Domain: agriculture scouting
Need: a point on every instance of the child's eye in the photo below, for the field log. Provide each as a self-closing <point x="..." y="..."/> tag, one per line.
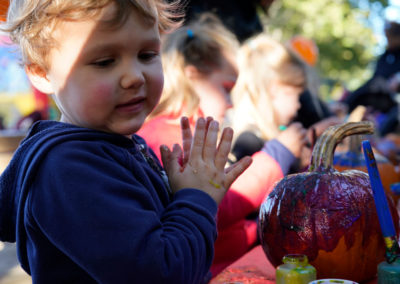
<point x="147" y="56"/>
<point x="102" y="63"/>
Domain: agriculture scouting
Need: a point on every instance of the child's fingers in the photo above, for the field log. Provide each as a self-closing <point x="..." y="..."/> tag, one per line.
<point x="170" y="159"/>
<point x="208" y="121"/>
<point x="302" y="134"/>
<point x="296" y="126"/>
<point x="196" y="150"/>
<point x="177" y="152"/>
<point x="233" y="172"/>
<point x="186" y="139"/>
<point x="165" y="156"/>
<point x="224" y="148"/>
<point x="211" y="142"/>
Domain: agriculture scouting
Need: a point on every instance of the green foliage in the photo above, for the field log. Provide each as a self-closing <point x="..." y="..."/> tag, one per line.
<point x="342" y="30"/>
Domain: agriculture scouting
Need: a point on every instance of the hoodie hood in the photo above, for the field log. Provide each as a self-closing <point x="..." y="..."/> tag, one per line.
<point x="19" y="173"/>
<point x="16" y="179"/>
<point x="11" y="190"/>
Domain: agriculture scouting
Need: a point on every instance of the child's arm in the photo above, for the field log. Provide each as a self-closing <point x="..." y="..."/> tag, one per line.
<point x="104" y="211"/>
<point x="201" y="163"/>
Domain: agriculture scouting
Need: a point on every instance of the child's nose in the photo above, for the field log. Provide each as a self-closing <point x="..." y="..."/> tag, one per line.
<point x="133" y="77"/>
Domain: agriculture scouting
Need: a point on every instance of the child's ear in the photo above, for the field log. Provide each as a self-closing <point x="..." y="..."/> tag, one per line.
<point x="38" y="77"/>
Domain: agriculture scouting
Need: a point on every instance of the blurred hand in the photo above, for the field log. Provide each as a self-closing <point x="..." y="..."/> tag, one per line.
<point x="294" y="138"/>
<point x="305" y="157"/>
<point x="320" y="126"/>
<point x="200" y="163"/>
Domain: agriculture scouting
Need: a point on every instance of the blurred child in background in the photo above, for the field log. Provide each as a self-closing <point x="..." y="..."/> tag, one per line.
<point x="266" y="100"/>
<point x="312" y="108"/>
<point x="199" y="62"/>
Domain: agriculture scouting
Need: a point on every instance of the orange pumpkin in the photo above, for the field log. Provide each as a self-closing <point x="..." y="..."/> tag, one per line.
<point x="328" y="215"/>
<point x="354" y="159"/>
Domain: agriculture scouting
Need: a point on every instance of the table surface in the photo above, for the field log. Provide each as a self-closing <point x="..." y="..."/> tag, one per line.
<point x="254" y="268"/>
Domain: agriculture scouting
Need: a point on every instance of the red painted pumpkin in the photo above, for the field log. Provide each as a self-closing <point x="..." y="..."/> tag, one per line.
<point x="354" y="159"/>
<point x="329" y="216"/>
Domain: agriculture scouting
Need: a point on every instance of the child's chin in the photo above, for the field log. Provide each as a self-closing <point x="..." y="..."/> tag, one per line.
<point x="128" y="130"/>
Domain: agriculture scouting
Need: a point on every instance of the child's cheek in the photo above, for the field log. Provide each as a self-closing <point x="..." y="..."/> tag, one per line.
<point x="103" y="93"/>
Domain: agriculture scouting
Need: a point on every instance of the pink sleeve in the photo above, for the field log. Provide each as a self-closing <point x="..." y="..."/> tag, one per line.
<point x="249" y="190"/>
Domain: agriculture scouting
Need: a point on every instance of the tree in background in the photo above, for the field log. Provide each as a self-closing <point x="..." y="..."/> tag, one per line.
<point x="342" y="30"/>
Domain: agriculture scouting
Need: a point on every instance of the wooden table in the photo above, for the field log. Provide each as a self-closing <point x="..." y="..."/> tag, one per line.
<point x="253" y="268"/>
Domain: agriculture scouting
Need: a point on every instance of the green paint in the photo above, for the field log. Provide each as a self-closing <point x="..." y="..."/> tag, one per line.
<point x="295" y="270"/>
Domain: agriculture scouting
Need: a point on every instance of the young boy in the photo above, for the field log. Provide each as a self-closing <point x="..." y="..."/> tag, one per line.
<point x="86" y="202"/>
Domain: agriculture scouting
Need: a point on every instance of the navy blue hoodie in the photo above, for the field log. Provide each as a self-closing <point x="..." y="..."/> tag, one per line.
<point x="86" y="206"/>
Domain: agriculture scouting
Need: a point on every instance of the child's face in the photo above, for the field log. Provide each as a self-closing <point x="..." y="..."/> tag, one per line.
<point x="106" y="78"/>
<point x="285" y="101"/>
<point x="214" y="89"/>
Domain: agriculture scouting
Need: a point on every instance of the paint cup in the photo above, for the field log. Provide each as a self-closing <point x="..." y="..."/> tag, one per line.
<point x="332" y="281"/>
<point x="295" y="270"/>
<point x="389" y="273"/>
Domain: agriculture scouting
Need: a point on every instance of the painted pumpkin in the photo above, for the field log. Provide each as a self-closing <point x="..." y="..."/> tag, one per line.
<point x="354" y="159"/>
<point x="328" y="215"/>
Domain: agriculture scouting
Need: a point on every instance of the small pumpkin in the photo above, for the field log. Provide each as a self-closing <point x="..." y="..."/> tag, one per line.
<point x="353" y="158"/>
<point x="328" y="215"/>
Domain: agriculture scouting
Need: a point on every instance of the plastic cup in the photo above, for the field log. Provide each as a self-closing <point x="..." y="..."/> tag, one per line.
<point x="332" y="281"/>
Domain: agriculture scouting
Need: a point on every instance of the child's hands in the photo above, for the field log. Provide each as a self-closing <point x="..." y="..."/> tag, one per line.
<point x="294" y="138"/>
<point x="201" y="164"/>
<point x="320" y="126"/>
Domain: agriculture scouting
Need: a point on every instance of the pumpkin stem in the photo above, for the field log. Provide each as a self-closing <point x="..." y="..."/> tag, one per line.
<point x="322" y="154"/>
<point x="355" y="144"/>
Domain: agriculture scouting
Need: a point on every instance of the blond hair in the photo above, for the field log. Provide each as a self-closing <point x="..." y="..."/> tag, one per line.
<point x="262" y="60"/>
<point x="30" y="23"/>
<point x="202" y="44"/>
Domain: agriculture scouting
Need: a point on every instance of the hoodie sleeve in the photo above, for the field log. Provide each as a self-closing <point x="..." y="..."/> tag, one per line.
<point x="110" y="214"/>
<point x="280" y="153"/>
